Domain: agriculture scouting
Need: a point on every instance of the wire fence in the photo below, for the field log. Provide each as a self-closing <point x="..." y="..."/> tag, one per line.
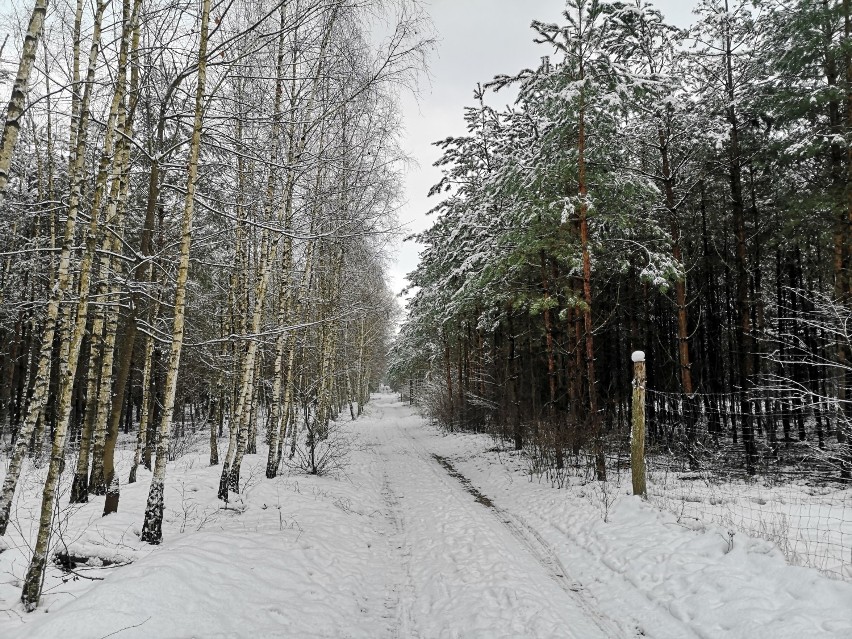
<point x="776" y="468"/>
<point x="790" y="485"/>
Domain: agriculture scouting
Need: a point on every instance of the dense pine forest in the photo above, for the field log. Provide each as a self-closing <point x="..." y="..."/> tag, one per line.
<point x="686" y="193"/>
<point x="196" y="200"/>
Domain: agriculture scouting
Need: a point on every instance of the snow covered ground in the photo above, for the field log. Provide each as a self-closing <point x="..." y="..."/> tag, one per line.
<point x="423" y="535"/>
<point x="810" y="523"/>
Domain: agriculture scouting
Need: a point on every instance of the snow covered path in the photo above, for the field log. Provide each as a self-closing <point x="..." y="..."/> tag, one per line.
<point x="487" y="555"/>
<point x="468" y="570"/>
<point x="422" y="535"/>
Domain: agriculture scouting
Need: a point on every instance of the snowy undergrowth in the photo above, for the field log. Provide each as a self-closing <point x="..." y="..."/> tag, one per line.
<point x="625" y="552"/>
<point x="299" y="556"/>
<point x="370" y="553"/>
<point x="811" y="525"/>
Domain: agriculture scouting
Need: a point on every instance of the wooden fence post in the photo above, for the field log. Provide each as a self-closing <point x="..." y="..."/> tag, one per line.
<point x="637" y="434"/>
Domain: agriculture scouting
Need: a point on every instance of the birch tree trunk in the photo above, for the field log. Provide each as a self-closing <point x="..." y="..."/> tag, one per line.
<point x="237" y="294"/>
<point x="359" y="386"/>
<point x="276" y="409"/>
<point x="60" y="286"/>
<point x="349" y="390"/>
<point x="110" y="399"/>
<point x="278" y="427"/>
<point x="68" y="366"/>
<point x="152" y="529"/>
<point x="299" y="314"/>
<point x="327" y="349"/>
<point x="243" y="411"/>
<point x="111" y="245"/>
<point x="51" y="195"/>
<point x="15" y="110"/>
<point x="269" y="249"/>
<point x="109" y="318"/>
<point x="365" y="398"/>
<point x="213" y="419"/>
<point x="80" y="484"/>
<point x="232" y="463"/>
<point x="145" y="417"/>
<point x="117" y="395"/>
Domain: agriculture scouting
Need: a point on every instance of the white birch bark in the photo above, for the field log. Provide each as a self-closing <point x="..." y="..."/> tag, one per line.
<point x="348" y="374"/>
<point x="284" y="297"/>
<point x="243" y="410"/>
<point x="31" y="592"/>
<point x="237" y="295"/>
<point x="17" y="102"/>
<point x="115" y="213"/>
<point x="61" y="285"/>
<point x="276" y="434"/>
<point x="298" y="315"/>
<point x="118" y="392"/>
<point x="231" y="466"/>
<point x="289" y="409"/>
<point x="109" y="319"/>
<point x="80" y="484"/>
<point x="103" y="476"/>
<point x="328" y="346"/>
<point x="152" y="529"/>
<point x="145" y="417"/>
<point x="360" y="379"/>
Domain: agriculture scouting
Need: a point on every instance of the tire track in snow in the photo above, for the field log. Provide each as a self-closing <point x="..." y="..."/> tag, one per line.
<point x="539" y="549"/>
<point x="405" y="592"/>
<point x="528" y="539"/>
<point x="668" y="624"/>
<point x="404" y="458"/>
<point x="544" y="553"/>
<point x="399" y="602"/>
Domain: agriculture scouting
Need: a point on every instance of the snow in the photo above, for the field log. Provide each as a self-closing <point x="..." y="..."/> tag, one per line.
<point x="645" y="569"/>
<point x="402" y="543"/>
<point x="810" y="524"/>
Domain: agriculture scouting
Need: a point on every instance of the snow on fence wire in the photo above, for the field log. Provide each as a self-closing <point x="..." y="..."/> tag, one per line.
<point x="794" y="490"/>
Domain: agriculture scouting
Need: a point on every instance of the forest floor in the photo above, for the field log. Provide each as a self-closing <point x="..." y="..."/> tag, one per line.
<point x="420" y="534"/>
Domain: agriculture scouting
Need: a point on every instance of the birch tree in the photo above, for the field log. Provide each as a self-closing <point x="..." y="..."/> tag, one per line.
<point x="152" y="531"/>
<point x="64" y="278"/>
<point x="15" y="109"/>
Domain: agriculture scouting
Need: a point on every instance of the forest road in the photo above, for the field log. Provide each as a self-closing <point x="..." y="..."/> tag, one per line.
<point x="468" y="568"/>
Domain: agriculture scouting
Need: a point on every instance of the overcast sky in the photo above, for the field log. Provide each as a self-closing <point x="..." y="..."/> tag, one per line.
<point x="477" y="39"/>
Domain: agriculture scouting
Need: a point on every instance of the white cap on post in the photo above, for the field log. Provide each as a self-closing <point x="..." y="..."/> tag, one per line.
<point x="638" y="356"/>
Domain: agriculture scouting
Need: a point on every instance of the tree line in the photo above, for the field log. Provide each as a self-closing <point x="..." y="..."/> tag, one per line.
<point x="684" y="192"/>
<point x="196" y="202"/>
